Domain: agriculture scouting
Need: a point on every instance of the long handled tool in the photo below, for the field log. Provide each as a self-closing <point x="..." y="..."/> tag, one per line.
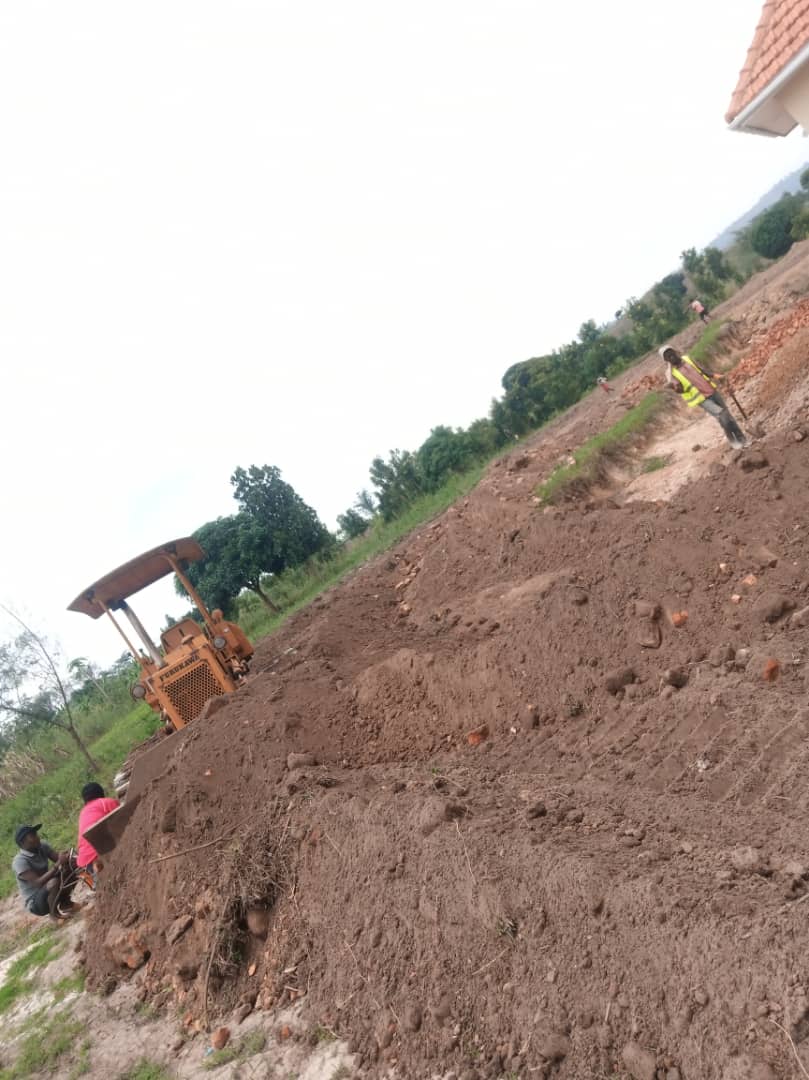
<point x="736" y="402"/>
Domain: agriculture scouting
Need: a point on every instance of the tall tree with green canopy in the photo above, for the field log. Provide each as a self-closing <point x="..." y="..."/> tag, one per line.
<point x="297" y="532"/>
<point x="273" y="530"/>
<point x="397" y="482"/>
<point x="239" y="551"/>
<point x="771" y="233"/>
<point x="443" y="452"/>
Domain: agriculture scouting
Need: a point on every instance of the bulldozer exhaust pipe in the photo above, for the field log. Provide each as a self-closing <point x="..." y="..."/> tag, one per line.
<point x="139" y="629"/>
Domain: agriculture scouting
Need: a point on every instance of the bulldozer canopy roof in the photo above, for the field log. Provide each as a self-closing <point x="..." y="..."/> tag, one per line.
<point x="134" y="576"/>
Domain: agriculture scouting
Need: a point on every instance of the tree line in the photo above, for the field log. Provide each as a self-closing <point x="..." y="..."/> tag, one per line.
<point x="537" y="389"/>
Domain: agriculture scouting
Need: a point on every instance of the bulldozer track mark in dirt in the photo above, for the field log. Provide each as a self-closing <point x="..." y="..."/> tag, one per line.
<point x="766" y="765"/>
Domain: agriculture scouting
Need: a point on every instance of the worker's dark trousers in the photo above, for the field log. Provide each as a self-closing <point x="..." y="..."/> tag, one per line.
<point x="716" y="406"/>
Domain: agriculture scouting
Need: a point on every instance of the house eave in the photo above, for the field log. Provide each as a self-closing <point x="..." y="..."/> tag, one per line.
<point x="765" y="115"/>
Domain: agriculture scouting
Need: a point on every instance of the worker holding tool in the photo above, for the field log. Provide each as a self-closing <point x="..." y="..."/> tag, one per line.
<point x="698" y="387"/>
<point x="44" y="890"/>
<point x="605" y="386"/>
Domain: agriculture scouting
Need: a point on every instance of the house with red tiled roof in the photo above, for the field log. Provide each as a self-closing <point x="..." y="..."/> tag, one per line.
<point x="772" y="95"/>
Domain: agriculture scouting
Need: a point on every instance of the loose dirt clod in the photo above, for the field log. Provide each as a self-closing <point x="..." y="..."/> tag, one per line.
<point x="617" y="680"/>
<point x="220" y="1038"/>
<point x="125" y="948"/>
<point x="639" y="1063"/>
<point x="258" y="921"/>
<point x="178" y="928"/>
<point x="772" y="606"/>
<point x="676" y="677"/>
<point x="479" y="735"/>
<point x="749" y="860"/>
<point x="772" y="669"/>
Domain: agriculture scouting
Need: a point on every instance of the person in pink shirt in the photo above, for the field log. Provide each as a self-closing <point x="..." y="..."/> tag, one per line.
<point x="697" y="306"/>
<point x="96" y="806"/>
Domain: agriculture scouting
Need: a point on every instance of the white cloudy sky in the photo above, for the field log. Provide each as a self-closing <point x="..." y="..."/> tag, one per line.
<point x="303" y="233"/>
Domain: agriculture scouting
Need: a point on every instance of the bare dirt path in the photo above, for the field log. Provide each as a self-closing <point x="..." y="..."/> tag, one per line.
<point x="101" y="1038"/>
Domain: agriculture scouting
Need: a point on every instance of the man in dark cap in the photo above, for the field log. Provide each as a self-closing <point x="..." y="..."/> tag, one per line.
<point x="45" y="889"/>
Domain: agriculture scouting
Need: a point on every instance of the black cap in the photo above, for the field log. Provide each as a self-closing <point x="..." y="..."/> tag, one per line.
<point x="23" y="831"/>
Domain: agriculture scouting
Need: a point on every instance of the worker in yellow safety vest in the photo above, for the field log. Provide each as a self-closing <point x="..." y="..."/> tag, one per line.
<point x="698" y="387"/>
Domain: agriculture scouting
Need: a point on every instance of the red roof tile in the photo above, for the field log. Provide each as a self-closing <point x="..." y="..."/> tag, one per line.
<point x="782" y="32"/>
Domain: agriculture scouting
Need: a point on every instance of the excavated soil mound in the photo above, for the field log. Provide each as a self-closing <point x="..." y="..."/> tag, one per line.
<point x="525" y="797"/>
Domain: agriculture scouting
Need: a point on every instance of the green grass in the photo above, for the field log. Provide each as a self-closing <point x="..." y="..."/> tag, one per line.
<point x="71" y="984"/>
<point x="51" y="1040"/>
<point x="81" y="1066"/>
<point x="145" y="1070"/>
<point x="55" y="798"/>
<point x="51" y="746"/>
<point x="18" y="981"/>
<point x="245" y="1048"/>
<point x="21" y="937"/>
<point x="652" y="464"/>
<point x="702" y="350"/>
<point x="296" y="588"/>
<point x="589" y="459"/>
<point x="323" y="1034"/>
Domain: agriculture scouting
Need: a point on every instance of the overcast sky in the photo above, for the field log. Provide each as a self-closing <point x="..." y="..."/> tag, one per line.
<point x="303" y="233"/>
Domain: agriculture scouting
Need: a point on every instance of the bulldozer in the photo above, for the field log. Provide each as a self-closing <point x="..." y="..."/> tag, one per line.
<point x="196" y="662"/>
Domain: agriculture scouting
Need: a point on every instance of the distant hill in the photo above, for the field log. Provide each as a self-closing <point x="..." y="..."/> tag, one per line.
<point x="783" y="187"/>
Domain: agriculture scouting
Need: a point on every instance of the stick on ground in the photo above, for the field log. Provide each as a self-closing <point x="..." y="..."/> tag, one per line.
<point x="794" y="1048"/>
<point x="466" y="853"/>
<point x="199" y="847"/>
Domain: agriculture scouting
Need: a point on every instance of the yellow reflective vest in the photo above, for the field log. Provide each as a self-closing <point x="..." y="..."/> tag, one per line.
<point x="691" y="394"/>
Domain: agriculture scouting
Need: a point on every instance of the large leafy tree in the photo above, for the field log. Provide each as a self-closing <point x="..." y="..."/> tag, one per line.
<point x="669" y="297"/>
<point x="273" y="530"/>
<point x="397" y="482"/>
<point x="800" y="224"/>
<point x="239" y="551"/>
<point x="710" y="271"/>
<point x="444" y="452"/>
<point x="297" y="532"/>
<point x="771" y="234"/>
<point x="483" y="438"/>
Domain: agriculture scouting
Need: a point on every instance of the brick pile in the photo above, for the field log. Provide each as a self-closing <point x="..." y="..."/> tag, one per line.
<point x="763" y="345"/>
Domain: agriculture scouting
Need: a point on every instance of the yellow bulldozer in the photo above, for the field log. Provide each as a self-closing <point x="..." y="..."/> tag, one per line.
<point x="196" y="661"/>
